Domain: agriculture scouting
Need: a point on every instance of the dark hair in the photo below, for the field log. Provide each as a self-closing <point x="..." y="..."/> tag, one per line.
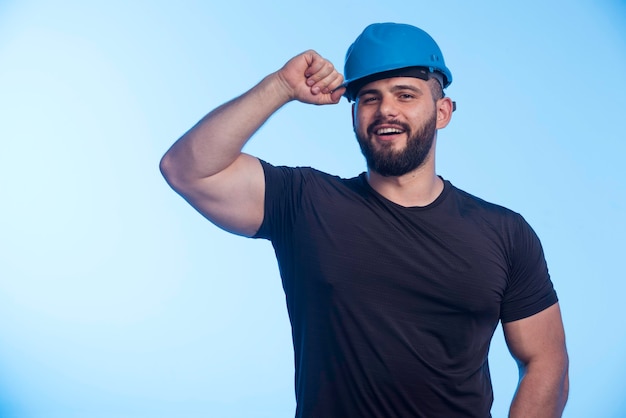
<point x="436" y="89"/>
<point x="434" y="79"/>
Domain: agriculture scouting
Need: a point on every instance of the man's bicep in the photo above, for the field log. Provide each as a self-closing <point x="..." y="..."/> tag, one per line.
<point x="537" y="337"/>
<point x="232" y="199"/>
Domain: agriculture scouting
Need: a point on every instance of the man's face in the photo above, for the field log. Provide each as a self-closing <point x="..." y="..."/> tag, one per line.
<point x="395" y="122"/>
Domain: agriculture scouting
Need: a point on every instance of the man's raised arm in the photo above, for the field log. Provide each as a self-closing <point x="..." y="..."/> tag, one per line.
<point x="206" y="165"/>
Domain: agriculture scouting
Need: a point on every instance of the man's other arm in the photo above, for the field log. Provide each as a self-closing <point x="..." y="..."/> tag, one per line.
<point x="538" y="345"/>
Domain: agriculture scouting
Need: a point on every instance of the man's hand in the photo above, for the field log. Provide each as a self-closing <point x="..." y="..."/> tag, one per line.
<point x="310" y="78"/>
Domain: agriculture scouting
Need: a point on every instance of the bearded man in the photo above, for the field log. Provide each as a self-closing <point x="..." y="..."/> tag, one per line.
<point x="395" y="279"/>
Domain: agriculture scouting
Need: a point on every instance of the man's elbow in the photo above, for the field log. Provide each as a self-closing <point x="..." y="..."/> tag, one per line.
<point x="560" y="378"/>
<point x="560" y="381"/>
<point x="565" y="381"/>
<point x="171" y="172"/>
<point x="545" y="380"/>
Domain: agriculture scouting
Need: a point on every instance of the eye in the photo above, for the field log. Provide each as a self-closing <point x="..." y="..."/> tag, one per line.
<point x="368" y="99"/>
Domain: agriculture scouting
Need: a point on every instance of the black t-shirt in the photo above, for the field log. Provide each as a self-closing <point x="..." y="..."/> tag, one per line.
<point x="393" y="308"/>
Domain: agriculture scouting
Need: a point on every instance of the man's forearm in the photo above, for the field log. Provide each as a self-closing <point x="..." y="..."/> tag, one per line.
<point x="541" y="393"/>
<point x="217" y="140"/>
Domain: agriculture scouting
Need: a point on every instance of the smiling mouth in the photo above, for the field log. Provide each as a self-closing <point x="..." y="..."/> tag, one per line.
<point x="388" y="131"/>
<point x="388" y="128"/>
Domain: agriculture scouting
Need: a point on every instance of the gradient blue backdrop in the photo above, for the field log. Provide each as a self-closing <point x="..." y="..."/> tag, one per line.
<point x="118" y="300"/>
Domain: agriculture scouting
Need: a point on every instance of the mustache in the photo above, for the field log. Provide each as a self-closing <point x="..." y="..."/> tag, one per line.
<point x="378" y="122"/>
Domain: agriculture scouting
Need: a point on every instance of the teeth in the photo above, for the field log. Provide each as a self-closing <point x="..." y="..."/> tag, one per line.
<point x="384" y="131"/>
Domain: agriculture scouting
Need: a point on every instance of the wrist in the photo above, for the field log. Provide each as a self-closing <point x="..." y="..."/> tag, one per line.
<point x="279" y="88"/>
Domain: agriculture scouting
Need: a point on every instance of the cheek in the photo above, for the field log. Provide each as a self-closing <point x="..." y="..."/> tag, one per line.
<point x="360" y="120"/>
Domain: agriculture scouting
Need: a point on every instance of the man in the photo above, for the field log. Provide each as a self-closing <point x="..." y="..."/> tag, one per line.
<point x="395" y="280"/>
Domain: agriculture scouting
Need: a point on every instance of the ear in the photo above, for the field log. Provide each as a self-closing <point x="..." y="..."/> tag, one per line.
<point x="445" y="107"/>
<point x="353" y="114"/>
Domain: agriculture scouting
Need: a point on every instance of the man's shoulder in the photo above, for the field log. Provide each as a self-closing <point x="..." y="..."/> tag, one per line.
<point x="307" y="174"/>
<point x="470" y="202"/>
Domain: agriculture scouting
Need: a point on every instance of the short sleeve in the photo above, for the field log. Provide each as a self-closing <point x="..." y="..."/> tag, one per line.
<point x="529" y="289"/>
<point x="281" y="191"/>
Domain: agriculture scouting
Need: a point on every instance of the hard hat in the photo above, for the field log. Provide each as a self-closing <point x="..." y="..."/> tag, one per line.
<point x="384" y="47"/>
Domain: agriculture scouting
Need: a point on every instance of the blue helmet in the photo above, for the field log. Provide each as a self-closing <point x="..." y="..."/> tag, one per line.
<point x="391" y="49"/>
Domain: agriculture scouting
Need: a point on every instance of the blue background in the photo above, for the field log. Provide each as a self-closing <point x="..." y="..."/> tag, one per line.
<point x="118" y="300"/>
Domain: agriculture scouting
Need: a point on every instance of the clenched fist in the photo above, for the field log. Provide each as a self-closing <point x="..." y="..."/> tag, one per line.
<point x="310" y="78"/>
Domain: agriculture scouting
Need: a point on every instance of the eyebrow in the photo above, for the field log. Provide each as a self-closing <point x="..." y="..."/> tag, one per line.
<point x="395" y="88"/>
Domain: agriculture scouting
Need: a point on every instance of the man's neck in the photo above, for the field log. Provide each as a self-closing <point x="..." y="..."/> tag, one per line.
<point x="420" y="187"/>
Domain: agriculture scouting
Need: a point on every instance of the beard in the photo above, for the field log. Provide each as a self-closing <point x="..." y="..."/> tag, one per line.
<point x="388" y="162"/>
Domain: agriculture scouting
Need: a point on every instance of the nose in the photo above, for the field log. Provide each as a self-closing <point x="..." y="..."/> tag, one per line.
<point x="387" y="106"/>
